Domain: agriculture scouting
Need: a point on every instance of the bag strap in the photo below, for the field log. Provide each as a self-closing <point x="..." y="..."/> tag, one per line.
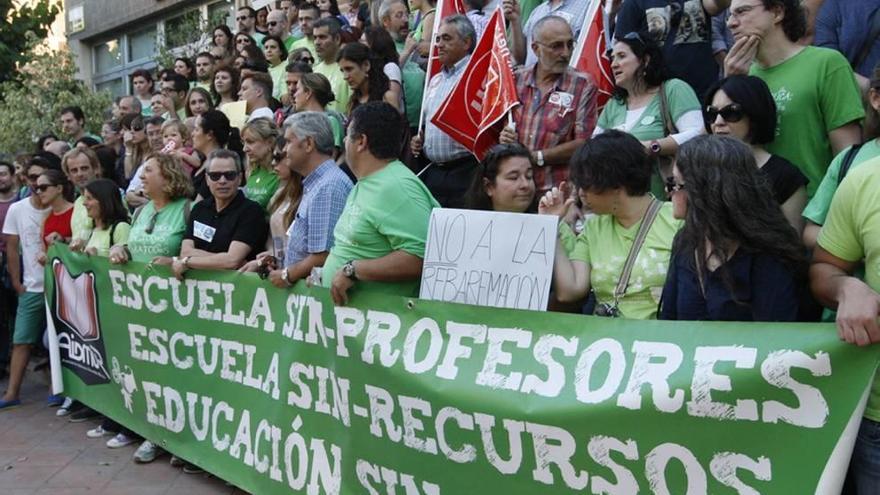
<point x="668" y="123"/>
<point x="869" y="41"/>
<point x="642" y="234"/>
<point x="847" y="161"/>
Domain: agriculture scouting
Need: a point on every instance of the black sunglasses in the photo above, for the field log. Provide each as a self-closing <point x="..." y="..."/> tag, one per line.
<point x="272" y="23"/>
<point x="731" y="113"/>
<point x="672" y="187"/>
<point x="307" y="60"/>
<point x="229" y="175"/>
<point x="243" y="17"/>
<point x="42" y="187"/>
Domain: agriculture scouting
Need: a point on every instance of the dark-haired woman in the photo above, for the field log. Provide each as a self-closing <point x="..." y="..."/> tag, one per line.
<point x="109" y="217"/>
<point x="224" y="88"/>
<point x="383" y="50"/>
<point x="276" y="55"/>
<point x="242" y="40"/>
<point x="366" y="78"/>
<point x="56" y="192"/>
<point x="612" y="174"/>
<point x="222" y="46"/>
<point x="186" y="68"/>
<point x="742" y="107"/>
<point x="505" y="182"/>
<point x="636" y="105"/>
<point x="737" y="258"/>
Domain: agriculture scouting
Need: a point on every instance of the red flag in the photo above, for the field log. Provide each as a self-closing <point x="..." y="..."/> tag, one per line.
<point x="483" y="95"/>
<point x="590" y="54"/>
<point x="445" y="8"/>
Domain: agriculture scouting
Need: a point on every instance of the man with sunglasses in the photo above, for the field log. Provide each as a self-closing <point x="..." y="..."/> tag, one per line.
<point x="684" y="31"/>
<point x="308" y="14"/>
<point x="246" y="20"/>
<point x="276" y="23"/>
<point x="558" y="111"/>
<point x="226" y="229"/>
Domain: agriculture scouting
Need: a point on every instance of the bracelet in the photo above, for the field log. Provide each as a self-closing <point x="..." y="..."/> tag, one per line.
<point x="287" y="276"/>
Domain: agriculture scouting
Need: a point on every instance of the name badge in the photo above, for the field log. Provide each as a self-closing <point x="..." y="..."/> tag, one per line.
<point x="562" y="100"/>
<point x="203" y="232"/>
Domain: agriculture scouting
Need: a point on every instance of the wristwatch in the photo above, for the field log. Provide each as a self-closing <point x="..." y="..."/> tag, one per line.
<point x="287" y="276"/>
<point x="348" y="270"/>
<point x="539" y="157"/>
<point x="655" y="147"/>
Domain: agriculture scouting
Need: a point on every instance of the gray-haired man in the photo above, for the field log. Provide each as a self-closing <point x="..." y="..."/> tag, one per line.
<point x="309" y="153"/>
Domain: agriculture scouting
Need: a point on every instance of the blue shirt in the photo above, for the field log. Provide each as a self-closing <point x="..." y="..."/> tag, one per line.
<point x="324" y="193"/>
<point x="844" y="25"/>
<point x="757" y="288"/>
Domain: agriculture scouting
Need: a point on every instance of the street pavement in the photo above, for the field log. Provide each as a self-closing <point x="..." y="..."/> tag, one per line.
<point x="44" y="454"/>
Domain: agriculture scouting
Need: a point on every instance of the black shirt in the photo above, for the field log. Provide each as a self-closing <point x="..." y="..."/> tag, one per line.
<point x="242" y="220"/>
<point x="784" y="178"/>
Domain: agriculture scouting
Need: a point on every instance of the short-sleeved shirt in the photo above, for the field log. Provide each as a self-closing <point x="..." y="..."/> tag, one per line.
<point x="852" y="233"/>
<point x="324" y="193"/>
<point x="649" y="125"/>
<point x="341" y="89"/>
<point x="261" y="186"/>
<point x="687" y="46"/>
<point x="386" y="211"/>
<point x="764" y="289"/>
<point x="26" y="222"/>
<point x="565" y="113"/>
<point x="304" y="43"/>
<point x="58" y="223"/>
<point x="604" y="245"/>
<point x="166" y="228"/>
<point x="815" y="92"/>
<point x="242" y="220"/>
<point x="817" y="208"/>
<point x="785" y="179"/>
<point x="103" y="239"/>
<point x="80" y="222"/>
<point x="278" y="73"/>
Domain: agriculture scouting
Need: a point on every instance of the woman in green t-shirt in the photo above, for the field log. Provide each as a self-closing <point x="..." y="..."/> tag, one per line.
<point x="103" y="202"/>
<point x="259" y="137"/>
<point x="276" y="55"/>
<point x="612" y="175"/>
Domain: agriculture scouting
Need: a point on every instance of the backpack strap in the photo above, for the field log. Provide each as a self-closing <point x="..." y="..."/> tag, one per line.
<point x="847" y="161"/>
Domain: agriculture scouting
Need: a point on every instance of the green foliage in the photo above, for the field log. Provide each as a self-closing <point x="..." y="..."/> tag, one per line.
<point x="187" y="35"/>
<point x="45" y="85"/>
<point x="16" y="22"/>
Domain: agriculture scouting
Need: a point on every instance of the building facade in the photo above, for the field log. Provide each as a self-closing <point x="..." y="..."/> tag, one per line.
<point x="111" y="38"/>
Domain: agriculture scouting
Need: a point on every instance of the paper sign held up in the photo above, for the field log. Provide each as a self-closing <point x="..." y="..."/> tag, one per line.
<point x="502" y="260"/>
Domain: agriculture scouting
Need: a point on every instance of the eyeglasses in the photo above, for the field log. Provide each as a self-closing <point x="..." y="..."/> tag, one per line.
<point x="272" y="23"/>
<point x="243" y="17"/>
<point x="42" y="187"/>
<point x="731" y="113"/>
<point x="307" y="60"/>
<point x="559" y="45"/>
<point x="229" y="175"/>
<point x="33" y="177"/>
<point x="673" y="187"/>
<point x="152" y="224"/>
<point x="243" y="41"/>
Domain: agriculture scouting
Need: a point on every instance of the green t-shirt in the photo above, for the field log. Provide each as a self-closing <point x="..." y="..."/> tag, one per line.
<point x="680" y="97"/>
<point x="336" y="126"/>
<point x="261" y="186"/>
<point x="817" y="208"/>
<point x="278" y="74"/>
<point x="166" y="234"/>
<point x="100" y="238"/>
<point x="852" y="233"/>
<point x="80" y="223"/>
<point x="604" y="245"/>
<point x="413" y="91"/>
<point x="304" y="43"/>
<point x="386" y="211"/>
<point x="341" y="90"/>
<point x="815" y="92"/>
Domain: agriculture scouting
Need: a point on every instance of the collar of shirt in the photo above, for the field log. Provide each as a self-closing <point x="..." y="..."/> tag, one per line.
<point x="212" y="203"/>
<point x="557" y="85"/>
<point x="315" y="176"/>
<point x="458" y="67"/>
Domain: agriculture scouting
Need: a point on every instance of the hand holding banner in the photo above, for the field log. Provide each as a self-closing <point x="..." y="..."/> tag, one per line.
<point x="485" y="92"/>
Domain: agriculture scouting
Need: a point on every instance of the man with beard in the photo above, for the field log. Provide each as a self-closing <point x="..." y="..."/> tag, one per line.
<point x="308" y="14"/>
<point x="558" y="111"/>
<point x="205" y="70"/>
<point x="395" y="19"/>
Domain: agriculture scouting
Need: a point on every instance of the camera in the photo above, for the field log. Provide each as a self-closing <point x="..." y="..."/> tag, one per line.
<point x="607" y="310"/>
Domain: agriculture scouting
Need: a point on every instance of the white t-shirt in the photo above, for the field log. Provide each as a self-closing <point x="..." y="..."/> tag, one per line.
<point x="26" y="222"/>
<point x="262" y="113"/>
<point x="393" y="72"/>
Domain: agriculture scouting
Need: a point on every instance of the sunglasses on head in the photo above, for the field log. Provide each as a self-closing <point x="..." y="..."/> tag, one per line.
<point x="229" y="175"/>
<point x="731" y="113"/>
<point x="671" y="186"/>
<point x="42" y="187"/>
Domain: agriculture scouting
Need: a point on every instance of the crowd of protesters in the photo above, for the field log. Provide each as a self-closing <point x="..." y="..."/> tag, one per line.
<point x="734" y="174"/>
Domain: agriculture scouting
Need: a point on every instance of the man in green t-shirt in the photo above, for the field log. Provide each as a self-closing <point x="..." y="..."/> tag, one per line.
<point x="328" y="39"/>
<point x="852" y="233"/>
<point x="81" y="165"/>
<point x="818" y="101"/>
<point x="380" y="236"/>
<point x="308" y="14"/>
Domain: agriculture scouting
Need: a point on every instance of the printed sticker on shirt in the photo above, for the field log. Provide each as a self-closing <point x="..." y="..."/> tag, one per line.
<point x="562" y="100"/>
<point x="203" y="232"/>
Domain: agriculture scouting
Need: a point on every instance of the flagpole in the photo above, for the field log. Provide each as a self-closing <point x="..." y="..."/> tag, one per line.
<point x="437" y="18"/>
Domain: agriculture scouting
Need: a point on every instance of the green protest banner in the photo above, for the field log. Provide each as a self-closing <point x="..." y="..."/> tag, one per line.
<point x="278" y="391"/>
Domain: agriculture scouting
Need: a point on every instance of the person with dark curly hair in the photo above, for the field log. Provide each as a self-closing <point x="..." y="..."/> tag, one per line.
<point x="737" y="258"/>
<point x="815" y="91"/>
<point x="505" y="181"/>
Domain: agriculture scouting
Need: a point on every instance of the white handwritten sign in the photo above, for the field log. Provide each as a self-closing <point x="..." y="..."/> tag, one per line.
<point x="504" y="260"/>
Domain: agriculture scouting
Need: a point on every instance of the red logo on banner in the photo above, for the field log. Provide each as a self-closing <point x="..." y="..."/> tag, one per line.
<point x="483" y="95"/>
<point x="590" y="55"/>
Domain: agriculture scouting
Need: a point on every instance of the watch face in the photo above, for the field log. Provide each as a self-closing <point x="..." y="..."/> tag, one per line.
<point x="348" y="269"/>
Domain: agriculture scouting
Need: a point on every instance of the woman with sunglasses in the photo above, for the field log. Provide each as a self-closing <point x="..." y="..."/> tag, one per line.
<point x="56" y="192"/>
<point x="637" y="105"/>
<point x="137" y="147"/>
<point x="242" y="40"/>
<point x="612" y="174"/>
<point x="301" y="54"/>
<point x="737" y="258"/>
<point x="276" y="55"/>
<point x="742" y="107"/>
<point x="224" y="87"/>
<point x="259" y="137"/>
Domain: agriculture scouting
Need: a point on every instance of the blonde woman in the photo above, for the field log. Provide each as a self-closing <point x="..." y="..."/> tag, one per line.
<point x="259" y="137"/>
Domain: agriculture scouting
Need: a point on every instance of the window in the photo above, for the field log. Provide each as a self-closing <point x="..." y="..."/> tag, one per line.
<point x="221" y="13"/>
<point x="115" y="86"/>
<point x="142" y="44"/>
<point x="108" y="56"/>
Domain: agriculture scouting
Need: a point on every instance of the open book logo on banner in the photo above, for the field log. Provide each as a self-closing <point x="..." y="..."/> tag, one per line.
<point x="77" y="325"/>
